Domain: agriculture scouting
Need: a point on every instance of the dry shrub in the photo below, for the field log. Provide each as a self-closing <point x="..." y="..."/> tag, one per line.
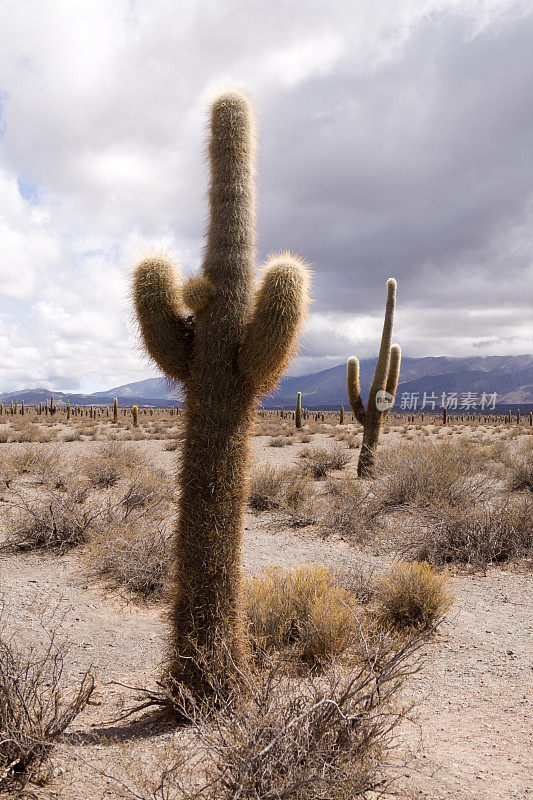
<point x="279" y="441"/>
<point x="349" y="512"/>
<point x="421" y="474"/>
<point x="61" y="516"/>
<point x="521" y="476"/>
<point x="34" y="460"/>
<point x="148" y="490"/>
<point x="322" y="461"/>
<point x="299" y="501"/>
<point x="72" y="436"/>
<point x="284" y="488"/>
<point x="326" y="737"/>
<point x="411" y="595"/>
<point x="135" y="555"/>
<point x="478" y="536"/>
<point x="112" y="462"/>
<point x="266" y="486"/>
<point x="55" y="520"/>
<point x="301" y="609"/>
<point x="35" y="707"/>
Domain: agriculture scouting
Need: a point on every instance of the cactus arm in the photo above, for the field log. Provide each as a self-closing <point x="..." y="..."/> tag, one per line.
<point x="382" y="366"/>
<point x="394" y="370"/>
<point x="354" y="389"/>
<point x="229" y="262"/>
<point x="280" y="307"/>
<point x="168" y="336"/>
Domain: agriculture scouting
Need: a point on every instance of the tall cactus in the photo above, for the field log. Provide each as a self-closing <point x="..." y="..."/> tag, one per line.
<point x="227" y="353"/>
<point x="382" y="391"/>
<point x="298" y="414"/>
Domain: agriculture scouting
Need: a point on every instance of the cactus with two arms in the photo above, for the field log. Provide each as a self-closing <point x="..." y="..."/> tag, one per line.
<point x="227" y="341"/>
<point x="382" y="391"/>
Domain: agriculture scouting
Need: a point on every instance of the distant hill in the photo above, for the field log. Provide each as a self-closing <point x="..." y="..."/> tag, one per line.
<point x="511" y="377"/>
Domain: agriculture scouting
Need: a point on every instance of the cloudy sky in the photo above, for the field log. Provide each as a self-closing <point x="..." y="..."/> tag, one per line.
<point x="395" y="139"/>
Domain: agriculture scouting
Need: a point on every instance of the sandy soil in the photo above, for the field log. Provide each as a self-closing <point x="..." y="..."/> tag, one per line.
<point x="473" y="736"/>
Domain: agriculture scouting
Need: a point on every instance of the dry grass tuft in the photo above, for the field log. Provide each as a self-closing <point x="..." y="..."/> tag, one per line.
<point x="302" y="610"/>
<point x="411" y="595"/>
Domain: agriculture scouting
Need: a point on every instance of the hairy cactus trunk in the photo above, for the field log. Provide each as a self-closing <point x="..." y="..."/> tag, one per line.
<point x="231" y="350"/>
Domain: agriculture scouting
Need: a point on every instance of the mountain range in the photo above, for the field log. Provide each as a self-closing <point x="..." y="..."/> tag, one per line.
<point x="509" y="377"/>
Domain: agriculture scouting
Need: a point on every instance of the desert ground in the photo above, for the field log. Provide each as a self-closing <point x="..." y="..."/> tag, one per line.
<point x="88" y="507"/>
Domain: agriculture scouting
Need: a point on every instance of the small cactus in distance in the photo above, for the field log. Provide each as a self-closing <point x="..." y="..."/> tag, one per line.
<point x="229" y="352"/>
<point x="115" y="410"/>
<point x="382" y="391"/>
<point x="341" y="416"/>
<point x="298" y="414"/>
<point x="135" y="415"/>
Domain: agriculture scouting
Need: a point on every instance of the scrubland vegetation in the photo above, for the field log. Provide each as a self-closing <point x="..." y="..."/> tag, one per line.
<point x="331" y="648"/>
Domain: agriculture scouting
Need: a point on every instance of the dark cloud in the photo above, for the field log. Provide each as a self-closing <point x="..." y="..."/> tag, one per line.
<point x="395" y="139"/>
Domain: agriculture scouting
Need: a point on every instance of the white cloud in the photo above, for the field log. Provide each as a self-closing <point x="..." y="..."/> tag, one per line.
<point x="392" y="142"/>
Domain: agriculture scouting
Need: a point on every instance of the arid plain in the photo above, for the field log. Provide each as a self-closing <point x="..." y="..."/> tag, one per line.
<point x="88" y="509"/>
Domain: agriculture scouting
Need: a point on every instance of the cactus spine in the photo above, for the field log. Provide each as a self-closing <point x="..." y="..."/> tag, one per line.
<point x="385" y="380"/>
<point x="228" y="353"/>
<point x="298" y="414"/>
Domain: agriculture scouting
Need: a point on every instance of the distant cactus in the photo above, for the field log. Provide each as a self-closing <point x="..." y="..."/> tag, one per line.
<point x="135" y="415"/>
<point x="115" y="410"/>
<point x="22" y="408"/>
<point x="68" y="409"/>
<point x="445" y="415"/>
<point x="230" y="352"/>
<point x="382" y="391"/>
<point x="341" y="416"/>
<point x="52" y="405"/>
<point x="298" y="415"/>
